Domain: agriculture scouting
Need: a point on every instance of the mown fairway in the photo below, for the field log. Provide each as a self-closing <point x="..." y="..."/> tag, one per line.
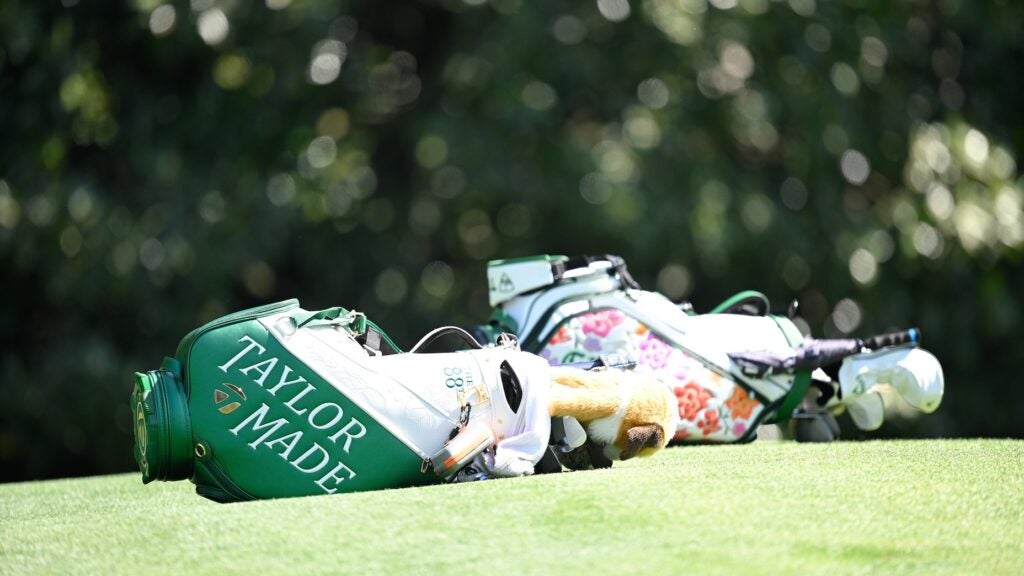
<point x="913" y="507"/>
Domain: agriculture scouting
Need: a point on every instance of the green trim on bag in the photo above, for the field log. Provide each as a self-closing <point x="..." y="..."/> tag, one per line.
<point x="801" y="379"/>
<point x="801" y="382"/>
<point x="241" y="316"/>
<point x="737" y="298"/>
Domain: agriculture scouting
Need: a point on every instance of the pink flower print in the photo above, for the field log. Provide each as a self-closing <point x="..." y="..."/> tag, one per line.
<point x="653" y="353"/>
<point x="602" y="322"/>
<point x="739" y="429"/>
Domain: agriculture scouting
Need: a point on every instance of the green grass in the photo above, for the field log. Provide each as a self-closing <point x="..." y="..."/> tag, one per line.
<point x="909" y="507"/>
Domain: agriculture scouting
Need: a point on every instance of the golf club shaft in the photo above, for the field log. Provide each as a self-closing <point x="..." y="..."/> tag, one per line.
<point x="910" y="336"/>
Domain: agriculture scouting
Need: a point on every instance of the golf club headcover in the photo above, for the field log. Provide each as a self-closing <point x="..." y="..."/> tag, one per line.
<point x="625" y="413"/>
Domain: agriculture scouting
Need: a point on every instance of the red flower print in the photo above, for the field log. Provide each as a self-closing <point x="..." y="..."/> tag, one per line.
<point x="561" y="336"/>
<point x="710" y="423"/>
<point x="692" y="399"/>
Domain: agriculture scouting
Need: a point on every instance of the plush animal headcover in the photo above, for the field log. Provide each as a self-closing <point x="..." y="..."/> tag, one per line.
<point x="630" y="414"/>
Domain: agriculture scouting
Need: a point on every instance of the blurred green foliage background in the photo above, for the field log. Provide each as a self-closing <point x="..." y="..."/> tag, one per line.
<point x="162" y="164"/>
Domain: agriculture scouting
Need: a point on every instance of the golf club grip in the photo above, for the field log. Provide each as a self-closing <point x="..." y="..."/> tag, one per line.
<point x="910" y="336"/>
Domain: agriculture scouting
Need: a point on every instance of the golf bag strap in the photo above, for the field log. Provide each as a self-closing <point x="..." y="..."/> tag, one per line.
<point x="801" y="383"/>
<point x="443" y="331"/>
<point x="749" y="302"/>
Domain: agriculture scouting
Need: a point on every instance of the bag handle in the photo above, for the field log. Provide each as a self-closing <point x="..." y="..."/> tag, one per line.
<point x="336" y="315"/>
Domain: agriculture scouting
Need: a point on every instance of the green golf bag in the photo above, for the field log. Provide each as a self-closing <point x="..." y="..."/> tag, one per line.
<point x="278" y="401"/>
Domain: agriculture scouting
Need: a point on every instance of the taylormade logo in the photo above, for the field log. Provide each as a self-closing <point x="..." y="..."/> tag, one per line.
<point x="279" y="434"/>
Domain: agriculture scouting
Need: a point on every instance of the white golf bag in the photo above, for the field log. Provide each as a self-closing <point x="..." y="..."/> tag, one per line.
<point x="731" y="370"/>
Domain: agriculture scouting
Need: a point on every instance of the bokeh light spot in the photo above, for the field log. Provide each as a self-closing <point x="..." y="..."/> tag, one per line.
<point x="847" y="315"/>
<point x="818" y="37"/>
<point x="675" y="281"/>
<point x="855" y="167"/>
<point x="152" y="254"/>
<point x="873" y="51"/>
<point x="41" y="210"/>
<point x="431" y="151"/>
<point x="326" y="60"/>
<point x="802" y="7"/>
<point x="976" y="146"/>
<point x="162" y="19"/>
<point x="641" y="129"/>
<point x="259" y="279"/>
<point x="614" y="10"/>
<point x="71" y="241"/>
<point x="757" y="213"/>
<point x="793" y="193"/>
<point x="334" y="122"/>
<point x="736" y="60"/>
<point x="231" y="71"/>
<point x="538" y="96"/>
<point x="10" y="211"/>
<point x="80" y="204"/>
<point x="280" y="189"/>
<point x="391" y="286"/>
<point x="321" y="152"/>
<point x="845" y="79"/>
<point x="940" y="202"/>
<point x="927" y="241"/>
<point x="863" y="267"/>
<point x="212" y="207"/>
<point x="595" y="188"/>
<point x="213" y="26"/>
<point x="448" y="182"/>
<point x="437" y="279"/>
<point x="653" y="93"/>
<point x="569" y="30"/>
